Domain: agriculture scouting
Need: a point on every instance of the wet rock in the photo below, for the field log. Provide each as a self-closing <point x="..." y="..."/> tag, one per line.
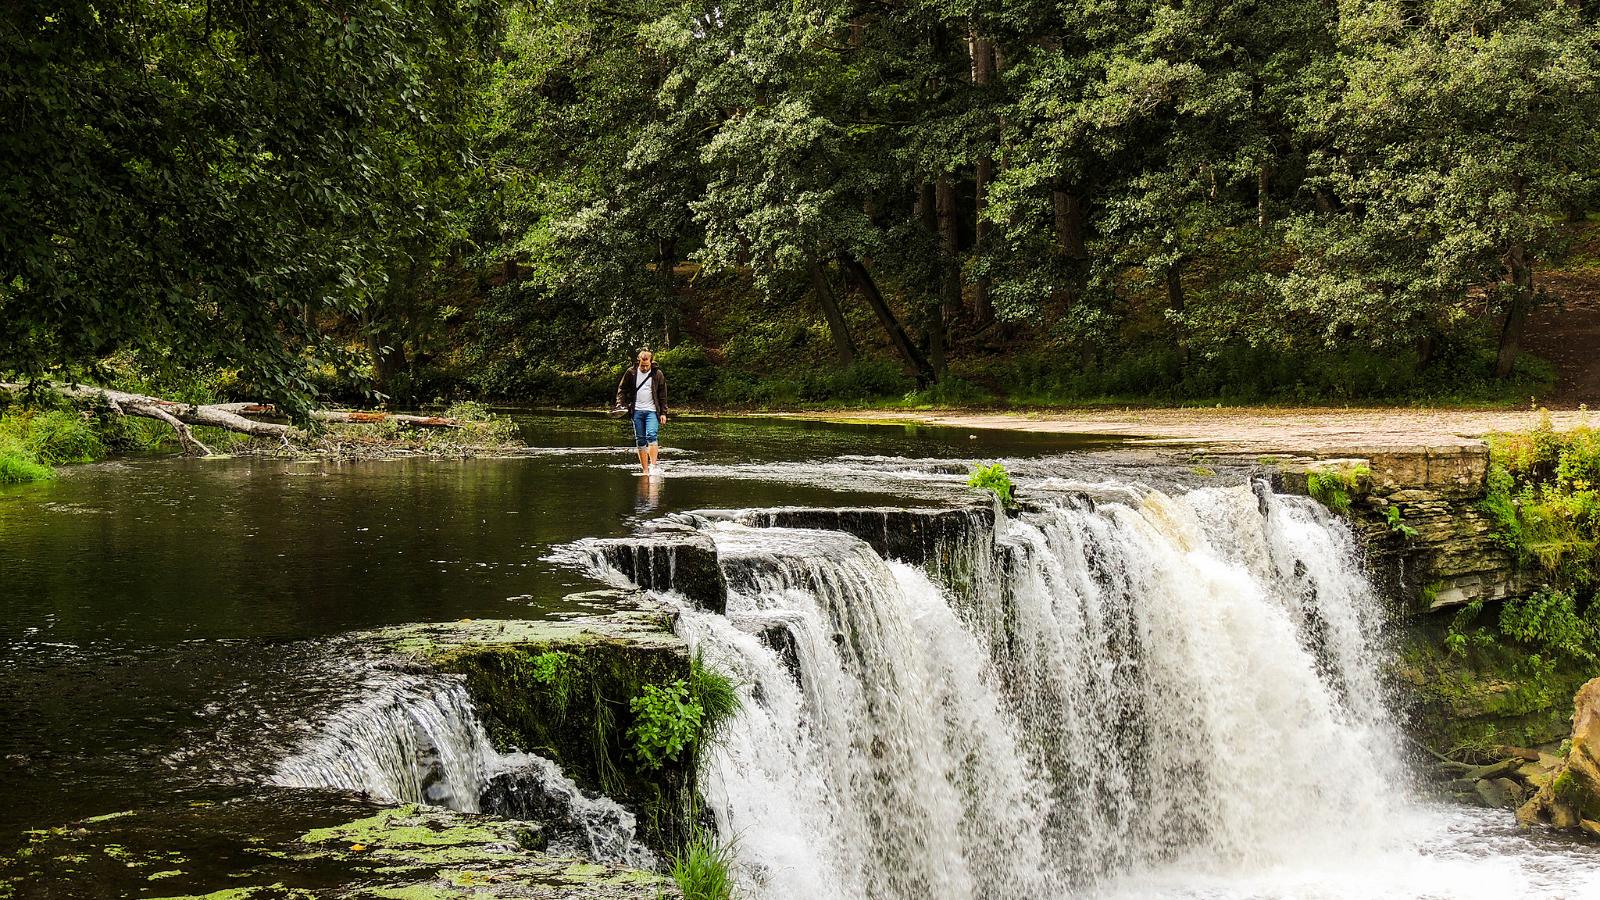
<point x="778" y="637"/>
<point x="923" y="537"/>
<point x="671" y="557"/>
<point x="1498" y="793"/>
<point x="1573" y="793"/>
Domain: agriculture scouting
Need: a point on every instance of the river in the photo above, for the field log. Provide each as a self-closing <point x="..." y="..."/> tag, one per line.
<point x="1172" y="690"/>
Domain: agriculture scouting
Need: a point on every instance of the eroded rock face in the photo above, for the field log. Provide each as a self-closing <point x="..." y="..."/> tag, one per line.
<point x="1571" y="799"/>
<point x="1450" y="557"/>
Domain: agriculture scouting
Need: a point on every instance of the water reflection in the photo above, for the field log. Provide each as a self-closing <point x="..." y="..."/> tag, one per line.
<point x="649" y="494"/>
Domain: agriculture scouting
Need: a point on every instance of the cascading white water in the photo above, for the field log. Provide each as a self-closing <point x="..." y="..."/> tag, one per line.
<point x="406" y="738"/>
<point x="417" y="739"/>
<point x="1181" y="688"/>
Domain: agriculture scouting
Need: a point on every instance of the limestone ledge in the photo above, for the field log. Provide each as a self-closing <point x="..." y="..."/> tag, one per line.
<point x="1452" y="558"/>
<point x="564" y="689"/>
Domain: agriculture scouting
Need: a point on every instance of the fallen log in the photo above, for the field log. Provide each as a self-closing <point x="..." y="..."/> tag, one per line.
<point x="227" y="416"/>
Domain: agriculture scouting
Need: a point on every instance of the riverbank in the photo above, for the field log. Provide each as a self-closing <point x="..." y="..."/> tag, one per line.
<point x="1312" y="430"/>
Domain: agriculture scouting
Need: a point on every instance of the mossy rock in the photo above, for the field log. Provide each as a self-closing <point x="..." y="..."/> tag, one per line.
<point x="565" y="690"/>
<point x="1484" y="696"/>
<point x="305" y="844"/>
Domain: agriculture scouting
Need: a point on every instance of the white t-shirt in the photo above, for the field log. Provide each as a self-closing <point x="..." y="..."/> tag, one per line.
<point x="644" y="398"/>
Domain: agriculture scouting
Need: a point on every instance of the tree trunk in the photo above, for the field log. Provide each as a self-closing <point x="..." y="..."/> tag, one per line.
<point x="1263" y="189"/>
<point x="983" y="69"/>
<point x="1176" y="300"/>
<point x="1067" y="210"/>
<point x="843" y="344"/>
<point x="949" y="250"/>
<point x="1519" y="271"/>
<point x="227" y="416"/>
<point x="862" y="279"/>
<point x="666" y="258"/>
<point x="927" y="212"/>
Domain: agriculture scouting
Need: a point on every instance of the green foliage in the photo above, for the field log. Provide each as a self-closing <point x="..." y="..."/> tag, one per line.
<point x="1335" y="488"/>
<point x="55" y="436"/>
<point x="1245" y="202"/>
<point x="554" y="669"/>
<point x="666" y="722"/>
<point x="703" y="868"/>
<point x="1549" y="621"/>
<point x="995" y="479"/>
<point x="669" y="720"/>
<point x="1545" y="503"/>
<point x="1396" y="522"/>
<point x="204" y="182"/>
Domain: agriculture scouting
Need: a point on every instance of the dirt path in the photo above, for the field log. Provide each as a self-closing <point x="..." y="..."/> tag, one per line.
<point x="1567" y="333"/>
<point x="1311" y="431"/>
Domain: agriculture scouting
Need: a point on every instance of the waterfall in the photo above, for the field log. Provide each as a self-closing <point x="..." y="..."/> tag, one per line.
<point x="411" y="738"/>
<point x="406" y="738"/>
<point x="1184" y="681"/>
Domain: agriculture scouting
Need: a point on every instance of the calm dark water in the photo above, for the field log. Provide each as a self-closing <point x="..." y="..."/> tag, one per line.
<point x="158" y="614"/>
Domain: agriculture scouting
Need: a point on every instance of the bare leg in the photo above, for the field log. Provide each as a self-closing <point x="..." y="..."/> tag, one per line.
<point x="655" y="453"/>
<point x="644" y="458"/>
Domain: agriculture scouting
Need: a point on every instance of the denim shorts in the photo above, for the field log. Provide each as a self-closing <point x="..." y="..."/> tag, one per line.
<point x="646" y="425"/>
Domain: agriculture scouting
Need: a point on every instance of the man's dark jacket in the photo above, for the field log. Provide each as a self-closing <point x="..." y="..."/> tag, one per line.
<point x="626" y="393"/>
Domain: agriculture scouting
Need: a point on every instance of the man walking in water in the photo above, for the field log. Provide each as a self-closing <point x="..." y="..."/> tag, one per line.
<point x="643" y="390"/>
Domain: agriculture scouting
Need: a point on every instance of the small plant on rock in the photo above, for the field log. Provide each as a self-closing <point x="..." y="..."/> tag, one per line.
<point x="996" y="480"/>
<point x="553" y="669"/>
<point x="1335" y="488"/>
<point x="1397" y="524"/>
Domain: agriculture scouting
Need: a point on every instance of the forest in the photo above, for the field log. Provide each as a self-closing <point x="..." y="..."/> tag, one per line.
<point x="826" y="201"/>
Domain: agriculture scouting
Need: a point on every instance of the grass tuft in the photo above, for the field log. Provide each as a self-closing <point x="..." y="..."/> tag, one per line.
<point x="703" y="869"/>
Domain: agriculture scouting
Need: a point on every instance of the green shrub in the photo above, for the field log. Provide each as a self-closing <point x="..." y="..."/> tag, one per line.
<point x="995" y="479"/>
<point x="950" y="391"/>
<point x="554" y="670"/>
<point x="682" y="716"/>
<point x="1549" y="621"/>
<point x="1336" y="488"/>
<point x="666" y="722"/>
<point x="479" y="425"/>
<point x="690" y="371"/>
<point x="867" y="379"/>
<point x="54" y="436"/>
<point x="703" y="869"/>
<point x="1545" y="502"/>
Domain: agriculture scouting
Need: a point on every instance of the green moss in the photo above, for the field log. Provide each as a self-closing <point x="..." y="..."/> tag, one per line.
<point x="1484" y="693"/>
<point x="276" y="891"/>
